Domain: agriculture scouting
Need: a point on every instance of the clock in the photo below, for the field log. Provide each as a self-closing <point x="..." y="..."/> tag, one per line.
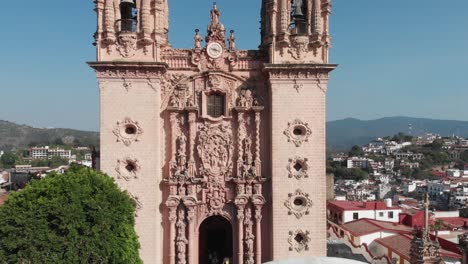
<point x="214" y="50"/>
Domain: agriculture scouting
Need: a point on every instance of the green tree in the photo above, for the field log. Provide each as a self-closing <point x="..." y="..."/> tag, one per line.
<point x="78" y="217"/>
<point x="8" y="160"/>
<point x="356" y="151"/>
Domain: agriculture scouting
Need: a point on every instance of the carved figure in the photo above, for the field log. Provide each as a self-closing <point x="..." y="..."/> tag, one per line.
<point x="232" y="41"/>
<point x="198" y="39"/>
<point x="181" y="240"/>
<point x="215" y="14"/>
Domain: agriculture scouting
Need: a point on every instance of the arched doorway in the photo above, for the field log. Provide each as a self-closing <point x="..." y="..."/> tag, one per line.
<point x="215" y="243"/>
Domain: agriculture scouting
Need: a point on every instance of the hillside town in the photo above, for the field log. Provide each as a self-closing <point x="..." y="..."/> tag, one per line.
<point x="387" y="191"/>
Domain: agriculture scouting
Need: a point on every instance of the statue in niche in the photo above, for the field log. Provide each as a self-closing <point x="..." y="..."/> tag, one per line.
<point x="246" y="98"/>
<point x="198" y="39"/>
<point x="180" y="166"/>
<point x="180" y="97"/>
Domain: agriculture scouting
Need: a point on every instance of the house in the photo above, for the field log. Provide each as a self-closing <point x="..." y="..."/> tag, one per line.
<point x="342" y="212"/>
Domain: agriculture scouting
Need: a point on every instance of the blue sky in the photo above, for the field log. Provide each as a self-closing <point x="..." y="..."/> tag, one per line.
<point x="398" y="57"/>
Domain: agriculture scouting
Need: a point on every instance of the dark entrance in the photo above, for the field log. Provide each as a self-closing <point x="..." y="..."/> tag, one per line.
<point x="215" y="243"/>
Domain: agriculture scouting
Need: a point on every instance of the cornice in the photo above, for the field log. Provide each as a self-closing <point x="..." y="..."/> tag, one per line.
<point x="137" y="70"/>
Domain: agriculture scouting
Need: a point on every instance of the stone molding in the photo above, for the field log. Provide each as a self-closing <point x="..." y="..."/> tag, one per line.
<point x="298" y="168"/>
<point x="298" y="203"/>
<point x="123" y="133"/>
<point x="298" y="132"/>
<point x="127" y="70"/>
<point x="299" y="240"/>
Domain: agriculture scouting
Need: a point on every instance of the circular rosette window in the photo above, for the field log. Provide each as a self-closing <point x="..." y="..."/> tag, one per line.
<point x="298" y="204"/>
<point x="298" y="132"/>
<point x="127" y="131"/>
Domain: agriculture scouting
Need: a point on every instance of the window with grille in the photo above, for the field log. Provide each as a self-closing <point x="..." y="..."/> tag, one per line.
<point x="215" y="105"/>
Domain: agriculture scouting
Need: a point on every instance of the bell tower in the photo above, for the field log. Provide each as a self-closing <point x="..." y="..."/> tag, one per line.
<point x="295" y="34"/>
<point x="296" y="31"/>
<point x="129" y="38"/>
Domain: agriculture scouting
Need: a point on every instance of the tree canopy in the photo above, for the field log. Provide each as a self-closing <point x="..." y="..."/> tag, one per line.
<point x="78" y="217"/>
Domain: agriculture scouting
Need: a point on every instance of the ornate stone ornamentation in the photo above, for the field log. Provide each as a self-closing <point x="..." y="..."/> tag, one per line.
<point x="180" y="96"/>
<point x="127" y="131"/>
<point x="298" y="132"/>
<point x="127" y="168"/>
<point x="181" y="240"/>
<point x="136" y="202"/>
<point x="423" y="249"/>
<point x="300" y="47"/>
<point x="249" y="239"/>
<point x="215" y="149"/>
<point x="299" y="240"/>
<point x="298" y="168"/>
<point x="127" y="44"/>
<point x="298" y="203"/>
<point x="215" y="198"/>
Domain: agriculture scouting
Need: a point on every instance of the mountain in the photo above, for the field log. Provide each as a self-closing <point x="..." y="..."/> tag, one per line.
<point x="21" y="136"/>
<point x="343" y="134"/>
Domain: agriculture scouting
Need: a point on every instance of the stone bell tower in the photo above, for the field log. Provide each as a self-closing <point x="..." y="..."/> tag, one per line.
<point x="222" y="149"/>
<point x="129" y="38"/>
<point x="296" y="36"/>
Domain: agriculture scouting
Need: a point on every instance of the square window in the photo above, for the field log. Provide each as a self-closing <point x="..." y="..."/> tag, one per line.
<point x="215" y="105"/>
<point x="381" y="214"/>
<point x="355" y="216"/>
<point x="390" y="214"/>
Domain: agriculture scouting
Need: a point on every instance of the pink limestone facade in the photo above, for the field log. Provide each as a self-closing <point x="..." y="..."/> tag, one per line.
<point x="222" y="149"/>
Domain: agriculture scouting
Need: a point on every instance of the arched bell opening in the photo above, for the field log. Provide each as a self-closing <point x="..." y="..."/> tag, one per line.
<point x="215" y="240"/>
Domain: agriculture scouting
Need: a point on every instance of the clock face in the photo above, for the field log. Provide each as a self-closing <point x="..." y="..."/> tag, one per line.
<point x="215" y="50"/>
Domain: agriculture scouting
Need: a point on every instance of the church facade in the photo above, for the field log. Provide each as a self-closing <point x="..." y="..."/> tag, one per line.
<point x="222" y="149"/>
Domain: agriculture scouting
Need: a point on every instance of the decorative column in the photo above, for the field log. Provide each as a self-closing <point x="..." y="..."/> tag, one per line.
<point x="173" y="145"/>
<point x="240" y="228"/>
<point x="317" y="18"/>
<point x="258" y="161"/>
<point x="258" y="234"/>
<point x="109" y="20"/>
<point x="241" y="133"/>
<point x="181" y="240"/>
<point x="192" y="135"/>
<point x="249" y="237"/>
<point x="284" y="20"/>
<point x="191" y="234"/>
<point x="145" y="22"/>
<point x="172" y="234"/>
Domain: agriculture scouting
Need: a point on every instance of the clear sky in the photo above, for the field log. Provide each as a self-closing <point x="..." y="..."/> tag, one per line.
<point x="397" y="57"/>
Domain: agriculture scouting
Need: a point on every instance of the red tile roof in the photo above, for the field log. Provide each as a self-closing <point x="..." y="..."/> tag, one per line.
<point x="401" y="244"/>
<point x="367" y="226"/>
<point x="454" y="222"/>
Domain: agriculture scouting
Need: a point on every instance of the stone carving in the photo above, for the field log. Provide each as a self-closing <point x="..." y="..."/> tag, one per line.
<point x="246" y="99"/>
<point x="127" y="168"/>
<point x="127" y="131"/>
<point x="232" y="41"/>
<point x="300" y="47"/>
<point x="298" y="132"/>
<point x="299" y="240"/>
<point x="423" y="249"/>
<point x="181" y="240"/>
<point x="179" y="168"/>
<point x="127" y="44"/>
<point x="298" y="203"/>
<point x="180" y="96"/>
<point x="249" y="237"/>
<point x="126" y="85"/>
<point x="215" y="198"/>
<point x="198" y="39"/>
<point x="170" y="82"/>
<point x="216" y="30"/>
<point x="215" y="149"/>
<point x="136" y="202"/>
<point x="298" y="168"/>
